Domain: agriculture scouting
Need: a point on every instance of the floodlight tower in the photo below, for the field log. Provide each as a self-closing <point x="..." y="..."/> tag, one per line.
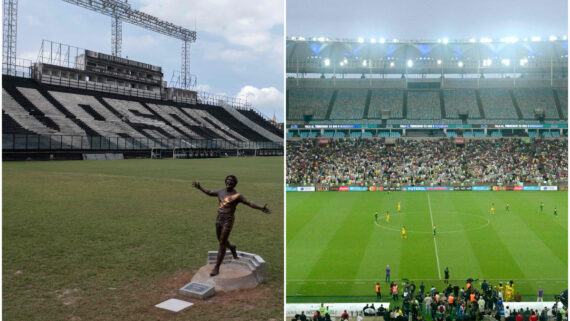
<point x="121" y="11"/>
<point x="9" y="36"/>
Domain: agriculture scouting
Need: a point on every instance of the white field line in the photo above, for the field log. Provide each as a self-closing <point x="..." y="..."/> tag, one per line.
<point x="434" y="239"/>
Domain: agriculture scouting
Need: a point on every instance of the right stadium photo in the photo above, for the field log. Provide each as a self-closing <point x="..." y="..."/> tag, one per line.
<point x="426" y="160"/>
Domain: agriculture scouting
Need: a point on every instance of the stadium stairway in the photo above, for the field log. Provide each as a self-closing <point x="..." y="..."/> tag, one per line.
<point x="250" y="127"/>
<point x="516" y="104"/>
<point x="224" y="115"/>
<point x="260" y="121"/>
<point x="367" y="104"/>
<point x="28" y="106"/>
<point x="480" y="104"/>
<point x="405" y="105"/>
<point x="287" y="110"/>
<point x="331" y="104"/>
<point x="558" y="106"/>
<point x="442" y="104"/>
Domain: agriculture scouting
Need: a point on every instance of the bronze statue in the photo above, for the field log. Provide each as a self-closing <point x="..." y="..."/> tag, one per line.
<point x="228" y="200"/>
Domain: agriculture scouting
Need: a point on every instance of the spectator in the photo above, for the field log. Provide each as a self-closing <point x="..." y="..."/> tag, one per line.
<point x="344" y="316"/>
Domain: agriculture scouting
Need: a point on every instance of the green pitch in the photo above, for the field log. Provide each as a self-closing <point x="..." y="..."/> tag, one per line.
<point x="337" y="252"/>
<point x="108" y="240"/>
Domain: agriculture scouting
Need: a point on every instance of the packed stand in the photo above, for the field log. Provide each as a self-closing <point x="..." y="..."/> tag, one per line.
<point x="424" y="162"/>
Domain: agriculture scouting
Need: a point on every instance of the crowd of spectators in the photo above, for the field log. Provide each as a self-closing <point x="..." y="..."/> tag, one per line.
<point x="466" y="303"/>
<point x="507" y="161"/>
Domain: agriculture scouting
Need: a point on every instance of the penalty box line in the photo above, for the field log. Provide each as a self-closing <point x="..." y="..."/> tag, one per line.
<point x="434" y="239"/>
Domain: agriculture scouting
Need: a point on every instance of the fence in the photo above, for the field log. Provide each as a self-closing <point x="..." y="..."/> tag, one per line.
<point x="32" y="142"/>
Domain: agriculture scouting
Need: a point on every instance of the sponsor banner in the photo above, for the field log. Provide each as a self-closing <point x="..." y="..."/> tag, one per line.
<point x="358" y="188"/>
<point x="517" y="188"/>
<point x="343" y="188"/>
<point x="376" y="188"/>
<point x="460" y="140"/>
<point x="306" y="189"/>
<point x="335" y="188"/>
<point x="323" y="141"/>
<point x="414" y="188"/>
<point x="439" y="188"/>
<point x="322" y="189"/>
<point x="563" y="188"/>
<point x="481" y="188"/>
<point x="549" y="188"/>
<point x="531" y="188"/>
<point x="290" y="189"/>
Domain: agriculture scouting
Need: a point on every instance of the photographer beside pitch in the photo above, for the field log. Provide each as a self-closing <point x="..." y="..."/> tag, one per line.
<point x="228" y="200"/>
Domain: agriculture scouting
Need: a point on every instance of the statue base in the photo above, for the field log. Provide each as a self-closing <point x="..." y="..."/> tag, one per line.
<point x="245" y="272"/>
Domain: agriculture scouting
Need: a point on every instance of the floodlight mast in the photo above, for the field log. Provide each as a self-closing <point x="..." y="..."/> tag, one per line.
<point x="9" y="36"/>
<point x="121" y="11"/>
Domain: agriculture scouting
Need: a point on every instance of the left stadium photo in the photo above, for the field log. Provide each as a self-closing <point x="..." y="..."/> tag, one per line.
<point x="142" y="149"/>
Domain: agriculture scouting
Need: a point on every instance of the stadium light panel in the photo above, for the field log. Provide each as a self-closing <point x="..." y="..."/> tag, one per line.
<point x="552" y="38"/>
<point x="314" y="38"/>
<point x="342" y="63"/>
<point x="321" y="39"/>
<point x="382" y="40"/>
<point x="535" y="38"/>
<point x="410" y="63"/>
<point x="485" y="40"/>
<point x="327" y="62"/>
<point x="438" y="40"/>
<point x="439" y="61"/>
<point x="360" y="40"/>
<point x="564" y="37"/>
<point x="392" y="64"/>
<point x="506" y="62"/>
<point x="396" y="40"/>
<point x="460" y="64"/>
<point x="364" y="63"/>
<point x="472" y="40"/>
<point x="525" y="39"/>
<point x="445" y="41"/>
<point x="293" y="38"/>
<point x="345" y="61"/>
<point x="372" y="40"/>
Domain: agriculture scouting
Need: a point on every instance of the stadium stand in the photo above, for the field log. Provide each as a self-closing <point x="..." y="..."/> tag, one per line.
<point x="423" y="105"/>
<point x="530" y="99"/>
<point x="497" y="103"/>
<point x="386" y="99"/>
<point x="313" y="101"/>
<point x="349" y="104"/>
<point x="460" y="99"/>
<point x="437" y="162"/>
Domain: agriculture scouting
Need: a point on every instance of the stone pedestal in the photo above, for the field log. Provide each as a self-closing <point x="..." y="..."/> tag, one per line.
<point x="245" y="272"/>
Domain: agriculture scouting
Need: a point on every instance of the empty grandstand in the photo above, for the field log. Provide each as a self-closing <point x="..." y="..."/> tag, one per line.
<point x="94" y="103"/>
<point x="426" y="88"/>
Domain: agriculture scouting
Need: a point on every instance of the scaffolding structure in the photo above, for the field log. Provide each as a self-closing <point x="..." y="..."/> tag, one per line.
<point x="121" y="11"/>
<point x="9" y="36"/>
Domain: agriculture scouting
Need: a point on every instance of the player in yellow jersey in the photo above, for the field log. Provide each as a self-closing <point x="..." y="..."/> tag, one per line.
<point x="387" y="217"/>
<point x="492" y="208"/>
<point x="404" y="232"/>
<point x="399" y="206"/>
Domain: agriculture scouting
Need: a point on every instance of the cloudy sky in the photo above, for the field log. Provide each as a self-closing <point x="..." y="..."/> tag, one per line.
<point x="427" y="20"/>
<point x="239" y="51"/>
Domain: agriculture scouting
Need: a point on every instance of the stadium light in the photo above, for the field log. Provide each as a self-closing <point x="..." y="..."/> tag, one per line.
<point x="327" y="62"/>
<point x="302" y="38"/>
<point x="564" y="37"/>
<point x="460" y="64"/>
<point x="511" y="39"/>
<point x="439" y="61"/>
<point x="438" y="40"/>
<point x="392" y="64"/>
<point x="342" y="63"/>
<point x="552" y="38"/>
<point x="321" y="39"/>
<point x="364" y="63"/>
<point x="396" y="40"/>
<point x="360" y="40"/>
<point x="445" y="41"/>
<point x="372" y="40"/>
<point x="410" y="63"/>
<point x="525" y="39"/>
<point x="485" y="40"/>
<point x="314" y="38"/>
<point x="535" y="38"/>
<point x="472" y="40"/>
<point x="506" y="62"/>
<point x="293" y="38"/>
<point x="524" y="61"/>
<point x="345" y="61"/>
<point x="382" y="40"/>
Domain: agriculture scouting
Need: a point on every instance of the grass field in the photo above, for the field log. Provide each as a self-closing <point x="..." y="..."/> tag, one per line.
<point x="336" y="252"/>
<point x="108" y="240"/>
